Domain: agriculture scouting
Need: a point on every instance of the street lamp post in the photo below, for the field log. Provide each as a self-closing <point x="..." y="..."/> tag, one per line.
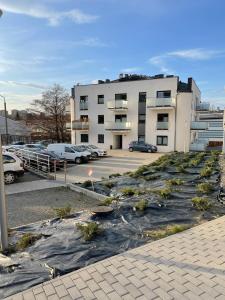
<point x="6" y="121"/>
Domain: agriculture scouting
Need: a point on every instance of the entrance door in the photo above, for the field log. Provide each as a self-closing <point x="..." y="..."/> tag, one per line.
<point x="118" y="142"/>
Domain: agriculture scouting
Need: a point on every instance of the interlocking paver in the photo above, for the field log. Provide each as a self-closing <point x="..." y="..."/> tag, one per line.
<point x="189" y="265"/>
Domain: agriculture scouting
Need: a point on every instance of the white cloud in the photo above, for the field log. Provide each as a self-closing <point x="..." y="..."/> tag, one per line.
<point x="23" y="84"/>
<point x="130" y="70"/>
<point x="89" y="42"/>
<point x="32" y="9"/>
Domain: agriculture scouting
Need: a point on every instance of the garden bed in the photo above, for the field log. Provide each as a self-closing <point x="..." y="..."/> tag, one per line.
<point x="174" y="193"/>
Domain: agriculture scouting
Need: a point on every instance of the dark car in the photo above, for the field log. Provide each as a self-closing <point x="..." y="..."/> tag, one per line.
<point x="142" y="146"/>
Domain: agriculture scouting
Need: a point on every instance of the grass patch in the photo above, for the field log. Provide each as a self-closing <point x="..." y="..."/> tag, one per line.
<point x="164" y="193"/>
<point x="201" y="203"/>
<point x="194" y="162"/>
<point x="152" y="177"/>
<point x="204" y="188"/>
<point x="174" y="181"/>
<point x="180" y="169"/>
<point x="27" y="240"/>
<point x="206" y="171"/>
<point x="89" y="230"/>
<point x="128" y="191"/>
<point x="166" y="231"/>
<point x="141" y="205"/>
<point x="62" y="212"/>
<point x="114" y="175"/>
<point x="108" y="201"/>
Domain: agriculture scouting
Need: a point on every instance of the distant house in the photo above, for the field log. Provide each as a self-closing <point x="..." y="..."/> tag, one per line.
<point x="17" y="131"/>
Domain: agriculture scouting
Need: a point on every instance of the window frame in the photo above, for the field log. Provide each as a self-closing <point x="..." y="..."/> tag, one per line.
<point x="164" y="91"/>
<point x="103" y="119"/>
<point x="101" y="135"/>
<point x="82" y="135"/>
<point x="101" y="97"/>
<point x="162" y="137"/>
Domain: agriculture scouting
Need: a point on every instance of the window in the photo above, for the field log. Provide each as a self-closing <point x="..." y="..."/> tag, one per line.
<point x="120" y="118"/>
<point x="100" y="119"/>
<point x="100" y="99"/>
<point x="84" y="138"/>
<point x="84" y="118"/>
<point x="83" y="102"/>
<point x="8" y="159"/>
<point x="162" y="118"/>
<point x="101" y="138"/>
<point x="69" y="150"/>
<point x="120" y="96"/>
<point x="141" y="119"/>
<point x="142" y="97"/>
<point x="162" y="140"/>
<point x="163" y="94"/>
<point x="141" y="138"/>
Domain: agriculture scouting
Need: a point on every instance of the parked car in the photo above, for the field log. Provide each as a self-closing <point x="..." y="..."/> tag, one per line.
<point x="34" y="147"/>
<point x="95" y="151"/>
<point x="68" y="152"/>
<point x="13" y="167"/>
<point x="142" y="146"/>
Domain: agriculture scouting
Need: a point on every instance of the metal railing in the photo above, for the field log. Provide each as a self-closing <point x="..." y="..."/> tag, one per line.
<point x="118" y="126"/>
<point x="162" y="125"/>
<point x="117" y="104"/>
<point x="161" y="102"/>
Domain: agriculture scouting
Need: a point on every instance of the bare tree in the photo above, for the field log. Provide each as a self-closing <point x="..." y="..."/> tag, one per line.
<point x="53" y="105"/>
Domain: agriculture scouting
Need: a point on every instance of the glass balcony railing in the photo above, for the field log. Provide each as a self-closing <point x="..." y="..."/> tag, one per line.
<point x="118" y="126"/>
<point x="205" y="106"/>
<point x="117" y="104"/>
<point x="162" y="125"/>
<point x="83" y="105"/>
<point x="160" y="102"/>
<point x="210" y="134"/>
<point x="199" y="125"/>
<point x="79" y="125"/>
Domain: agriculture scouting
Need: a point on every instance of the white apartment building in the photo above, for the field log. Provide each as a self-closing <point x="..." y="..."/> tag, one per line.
<point x="161" y="110"/>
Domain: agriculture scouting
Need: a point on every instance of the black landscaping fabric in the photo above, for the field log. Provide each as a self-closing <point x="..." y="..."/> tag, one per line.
<point x="62" y="249"/>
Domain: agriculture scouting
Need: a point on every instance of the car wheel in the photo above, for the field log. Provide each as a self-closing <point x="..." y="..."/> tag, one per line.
<point x="78" y="160"/>
<point x="131" y="149"/>
<point x="10" y="177"/>
<point x="95" y="155"/>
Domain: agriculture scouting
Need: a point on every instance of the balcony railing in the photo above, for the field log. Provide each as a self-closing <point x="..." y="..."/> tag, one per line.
<point x="118" y="126"/>
<point x="162" y="125"/>
<point x="199" y="125"/>
<point x="83" y="105"/>
<point x="80" y="125"/>
<point x="117" y="104"/>
<point x="198" y="147"/>
<point x="160" y="102"/>
<point x="204" y="106"/>
<point x="210" y="134"/>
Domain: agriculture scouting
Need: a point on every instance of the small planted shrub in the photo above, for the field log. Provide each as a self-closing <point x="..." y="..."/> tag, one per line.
<point x="174" y="181"/>
<point x="194" y="162"/>
<point x="166" y="231"/>
<point x="108" y="201"/>
<point x="141" y="205"/>
<point x="86" y="184"/>
<point x="164" y="193"/>
<point x="62" y="212"/>
<point x="128" y="191"/>
<point x="152" y="177"/>
<point x="141" y="170"/>
<point x="114" y="175"/>
<point x="204" y="188"/>
<point x="109" y="184"/>
<point x="206" y="171"/>
<point x="27" y="240"/>
<point x="180" y="169"/>
<point x="201" y="203"/>
<point x="89" y="230"/>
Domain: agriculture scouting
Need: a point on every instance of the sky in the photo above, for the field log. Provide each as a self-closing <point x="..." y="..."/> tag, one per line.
<point x="43" y="42"/>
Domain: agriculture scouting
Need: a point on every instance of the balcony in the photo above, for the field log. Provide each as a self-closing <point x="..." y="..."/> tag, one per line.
<point x="162" y="125"/>
<point x="83" y="105"/>
<point x="212" y="135"/>
<point x="198" y="146"/>
<point x="204" y="106"/>
<point x="117" y="105"/>
<point x="118" y="126"/>
<point x="161" y="103"/>
<point x="218" y="125"/>
<point x="79" y="125"/>
<point x="199" y="125"/>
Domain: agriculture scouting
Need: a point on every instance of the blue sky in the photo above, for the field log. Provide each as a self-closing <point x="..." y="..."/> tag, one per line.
<point x="43" y="42"/>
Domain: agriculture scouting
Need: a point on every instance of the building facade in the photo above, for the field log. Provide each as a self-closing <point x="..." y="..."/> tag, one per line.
<point x="159" y="110"/>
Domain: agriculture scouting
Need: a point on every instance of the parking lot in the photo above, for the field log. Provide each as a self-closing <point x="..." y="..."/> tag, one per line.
<point x="118" y="161"/>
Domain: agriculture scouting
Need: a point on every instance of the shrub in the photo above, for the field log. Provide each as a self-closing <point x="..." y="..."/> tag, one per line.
<point x="108" y="201"/>
<point x="206" y="171"/>
<point x="27" y="240"/>
<point x="141" y="205"/>
<point x="194" y="162"/>
<point x="201" y="203"/>
<point x="166" y="231"/>
<point x="180" y="169"/>
<point x="108" y="184"/>
<point x="141" y="170"/>
<point x="174" y="181"/>
<point x="86" y="183"/>
<point x="128" y="191"/>
<point x="204" y="188"/>
<point x="62" y="212"/>
<point x="114" y="175"/>
<point x="152" y="177"/>
<point x="164" y="193"/>
<point x="89" y="230"/>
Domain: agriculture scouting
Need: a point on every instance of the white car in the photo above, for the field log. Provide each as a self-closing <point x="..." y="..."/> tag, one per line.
<point x="13" y="167"/>
<point x="95" y="151"/>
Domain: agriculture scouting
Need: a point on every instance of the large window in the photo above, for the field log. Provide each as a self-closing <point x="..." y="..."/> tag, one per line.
<point x="121" y="96"/>
<point x="120" y="118"/>
<point x="162" y="118"/>
<point x="100" y="119"/>
<point x="100" y="99"/>
<point x="141" y="119"/>
<point x="163" y="94"/>
<point x="162" y="140"/>
<point x="142" y="97"/>
<point x="83" y="102"/>
<point x="84" y="138"/>
<point x="101" y="138"/>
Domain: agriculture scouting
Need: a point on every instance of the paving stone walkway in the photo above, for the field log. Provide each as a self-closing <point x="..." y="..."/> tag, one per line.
<point x="188" y="265"/>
